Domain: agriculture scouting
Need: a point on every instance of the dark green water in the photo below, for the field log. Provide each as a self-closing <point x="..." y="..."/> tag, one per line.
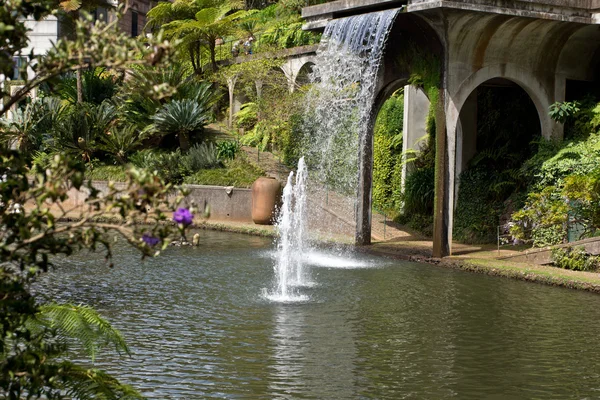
<point x="199" y="327"/>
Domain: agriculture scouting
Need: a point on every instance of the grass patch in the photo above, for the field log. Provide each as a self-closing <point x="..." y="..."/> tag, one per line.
<point x="238" y="173"/>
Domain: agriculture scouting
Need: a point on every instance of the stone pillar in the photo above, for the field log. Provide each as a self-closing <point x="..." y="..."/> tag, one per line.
<point x="231" y="87"/>
<point x="416" y="108"/>
<point x="365" y="183"/>
<point x="444" y="176"/>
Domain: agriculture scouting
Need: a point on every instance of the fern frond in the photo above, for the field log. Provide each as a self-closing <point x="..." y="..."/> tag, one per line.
<point x="83" y="324"/>
<point x="81" y="383"/>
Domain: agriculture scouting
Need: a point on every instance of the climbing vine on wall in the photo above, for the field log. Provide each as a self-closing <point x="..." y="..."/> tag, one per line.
<point x="387" y="154"/>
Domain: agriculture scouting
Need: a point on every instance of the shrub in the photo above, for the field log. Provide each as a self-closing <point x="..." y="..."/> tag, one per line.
<point x="247" y="116"/>
<point x="419" y="192"/>
<point x="227" y="150"/>
<point x="477" y="212"/>
<point x="575" y="258"/>
<point x="201" y="156"/>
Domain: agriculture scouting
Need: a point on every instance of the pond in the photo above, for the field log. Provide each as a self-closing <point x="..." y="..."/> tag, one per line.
<point x="199" y="326"/>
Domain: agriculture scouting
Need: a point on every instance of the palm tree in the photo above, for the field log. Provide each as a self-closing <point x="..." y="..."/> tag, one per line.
<point x="198" y="24"/>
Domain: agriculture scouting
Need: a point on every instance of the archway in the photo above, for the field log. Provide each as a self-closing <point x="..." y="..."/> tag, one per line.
<point x="303" y="76"/>
<point x="414" y="54"/>
<point x="499" y="128"/>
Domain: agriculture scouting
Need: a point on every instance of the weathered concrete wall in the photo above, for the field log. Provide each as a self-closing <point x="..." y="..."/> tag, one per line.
<point x="226" y="203"/>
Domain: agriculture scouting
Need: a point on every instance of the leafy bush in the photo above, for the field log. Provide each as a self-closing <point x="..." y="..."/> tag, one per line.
<point x="419" y="192"/>
<point x="97" y="85"/>
<point x="247" y="116"/>
<point x="477" y="214"/>
<point x="168" y="165"/>
<point x="227" y="150"/>
<point x="201" y="156"/>
<point x="575" y="258"/>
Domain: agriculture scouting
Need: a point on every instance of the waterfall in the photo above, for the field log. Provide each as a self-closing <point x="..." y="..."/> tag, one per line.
<point x="338" y="112"/>
<point x="339" y="105"/>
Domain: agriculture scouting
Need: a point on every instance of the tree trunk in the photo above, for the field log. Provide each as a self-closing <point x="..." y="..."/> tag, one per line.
<point x="79" y="87"/>
<point x="184" y="141"/>
<point x="213" y="54"/>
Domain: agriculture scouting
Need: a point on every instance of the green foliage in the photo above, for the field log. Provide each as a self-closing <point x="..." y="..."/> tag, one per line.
<point x="184" y="119"/>
<point x="290" y="142"/>
<point x="201" y="156"/>
<point x="492" y="185"/>
<point x="227" y="150"/>
<point x="81" y="129"/>
<point x="29" y="127"/>
<point x="477" y="213"/>
<point x="237" y="172"/>
<point x="80" y="323"/>
<point x="247" y="116"/>
<point x="197" y="24"/>
<point x="575" y="258"/>
<point x="387" y="154"/>
<point x="561" y="111"/>
<point x="419" y="192"/>
<point x="36" y="335"/>
<point x="168" y="165"/>
<point x="98" y="85"/>
<point x="115" y="173"/>
<point x="121" y="142"/>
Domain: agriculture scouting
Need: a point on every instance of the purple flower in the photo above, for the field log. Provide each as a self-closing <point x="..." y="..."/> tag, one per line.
<point x="151" y="241"/>
<point x="183" y="216"/>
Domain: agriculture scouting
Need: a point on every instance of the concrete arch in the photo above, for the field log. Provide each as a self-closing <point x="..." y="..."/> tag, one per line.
<point x="292" y="67"/>
<point x="302" y="75"/>
<point x="525" y="79"/>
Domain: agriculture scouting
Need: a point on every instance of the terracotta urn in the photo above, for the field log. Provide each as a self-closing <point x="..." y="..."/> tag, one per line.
<point x="266" y="193"/>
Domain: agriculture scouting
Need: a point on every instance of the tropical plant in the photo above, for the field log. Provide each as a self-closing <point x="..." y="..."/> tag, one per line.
<point x="247" y="116"/>
<point x="27" y="128"/>
<point x="36" y="365"/>
<point x="35" y="335"/>
<point x="182" y="118"/>
<point x="149" y="88"/>
<point x="81" y="130"/>
<point x="197" y="24"/>
<point x="97" y="85"/>
<point x="201" y="156"/>
<point x="226" y="150"/>
<point x="120" y="142"/>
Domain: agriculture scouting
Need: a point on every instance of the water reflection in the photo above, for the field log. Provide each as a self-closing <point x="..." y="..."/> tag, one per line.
<point x="198" y="328"/>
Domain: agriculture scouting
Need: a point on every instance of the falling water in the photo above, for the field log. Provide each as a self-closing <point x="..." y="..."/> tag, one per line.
<point x="339" y="106"/>
<point x="338" y="112"/>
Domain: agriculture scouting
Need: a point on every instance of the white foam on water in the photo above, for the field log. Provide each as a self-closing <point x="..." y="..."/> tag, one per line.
<point x="328" y="260"/>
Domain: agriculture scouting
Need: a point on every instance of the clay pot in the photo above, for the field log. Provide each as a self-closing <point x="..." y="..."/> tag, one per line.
<point x="266" y="193"/>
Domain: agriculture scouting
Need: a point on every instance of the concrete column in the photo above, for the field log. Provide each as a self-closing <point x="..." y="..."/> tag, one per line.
<point x="416" y="108"/>
<point x="365" y="183"/>
<point x="231" y="87"/>
<point x="445" y="141"/>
